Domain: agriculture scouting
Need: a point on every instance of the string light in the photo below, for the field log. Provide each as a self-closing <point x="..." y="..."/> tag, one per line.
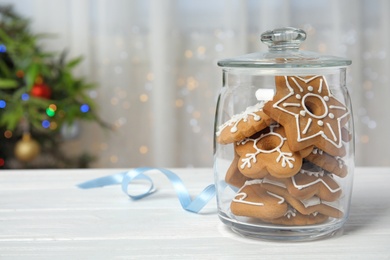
<point x="114" y="101"/>
<point x="114" y="158"/>
<point x="3" y="48"/>
<point x="143" y="98"/>
<point x="84" y="108"/>
<point x="46" y="124"/>
<point x="39" y="80"/>
<point x="103" y="146"/>
<point x="3" y="104"/>
<point x="196" y="114"/>
<point x="188" y="54"/>
<point x="2" y="162"/>
<point x="143" y="149"/>
<point x="364" y="139"/>
<point x="53" y="126"/>
<point x="150" y="76"/>
<point x="126" y="105"/>
<point x="50" y="112"/>
<point x="20" y="74"/>
<point x="8" y="134"/>
<point x="192" y="83"/>
<point x="179" y="102"/>
<point x="201" y="50"/>
<point x="25" y="96"/>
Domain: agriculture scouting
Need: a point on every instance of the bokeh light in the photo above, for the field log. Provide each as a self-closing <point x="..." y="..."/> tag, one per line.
<point x="84" y="108"/>
<point x="46" y="124"/>
<point x="25" y="96"/>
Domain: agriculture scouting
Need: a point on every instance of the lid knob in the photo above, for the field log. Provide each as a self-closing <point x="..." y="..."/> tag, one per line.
<point x="287" y="38"/>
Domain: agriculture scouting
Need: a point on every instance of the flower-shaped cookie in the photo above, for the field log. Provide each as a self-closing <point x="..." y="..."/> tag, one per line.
<point x="243" y="125"/>
<point x="268" y="152"/>
<point x="309" y="112"/>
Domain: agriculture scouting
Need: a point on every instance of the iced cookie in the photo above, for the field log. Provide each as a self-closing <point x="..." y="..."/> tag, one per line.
<point x="327" y="162"/>
<point x="268" y="152"/>
<point x="254" y="201"/>
<point x="233" y="175"/>
<point x="243" y="125"/>
<point x="305" y="206"/>
<point x="309" y="112"/>
<point x="305" y="185"/>
<point x="294" y="218"/>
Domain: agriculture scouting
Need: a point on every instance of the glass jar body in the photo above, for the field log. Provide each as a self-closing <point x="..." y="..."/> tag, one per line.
<point x="284" y="152"/>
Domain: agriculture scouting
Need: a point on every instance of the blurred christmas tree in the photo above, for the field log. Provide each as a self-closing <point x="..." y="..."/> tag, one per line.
<point x="41" y="101"/>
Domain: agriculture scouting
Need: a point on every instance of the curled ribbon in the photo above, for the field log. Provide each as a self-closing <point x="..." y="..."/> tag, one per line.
<point x="126" y="178"/>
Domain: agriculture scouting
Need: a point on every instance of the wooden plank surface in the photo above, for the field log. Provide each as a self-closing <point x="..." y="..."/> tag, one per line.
<point x="43" y="215"/>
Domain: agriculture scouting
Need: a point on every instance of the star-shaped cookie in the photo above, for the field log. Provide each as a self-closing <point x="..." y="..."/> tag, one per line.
<point x="309" y="113"/>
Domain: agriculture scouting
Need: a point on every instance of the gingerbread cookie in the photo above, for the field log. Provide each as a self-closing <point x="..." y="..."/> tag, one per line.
<point x="233" y="175"/>
<point x="254" y="201"/>
<point x="346" y="135"/>
<point x="305" y="185"/>
<point x="309" y="112"/>
<point x="305" y="206"/>
<point x="294" y="218"/>
<point x="268" y="152"/>
<point x="329" y="163"/>
<point x="243" y="125"/>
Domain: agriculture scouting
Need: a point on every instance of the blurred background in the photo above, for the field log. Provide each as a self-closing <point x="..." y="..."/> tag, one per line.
<point x="154" y="66"/>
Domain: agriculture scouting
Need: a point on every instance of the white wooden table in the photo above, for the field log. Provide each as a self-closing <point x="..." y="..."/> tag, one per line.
<point x="43" y="215"/>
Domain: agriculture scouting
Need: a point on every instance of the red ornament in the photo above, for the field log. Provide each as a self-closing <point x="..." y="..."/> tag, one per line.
<point x="41" y="90"/>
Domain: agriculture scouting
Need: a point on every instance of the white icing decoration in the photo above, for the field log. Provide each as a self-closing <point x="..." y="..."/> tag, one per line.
<point x="275" y="183"/>
<point x="333" y="204"/>
<point x="316" y="150"/>
<point x="335" y="138"/>
<point x="253" y="182"/>
<point x="340" y="161"/>
<point x="320" y="87"/>
<point x="308" y="111"/>
<point x="295" y="81"/>
<point x="281" y="199"/>
<point x="307" y="126"/>
<point x="291" y="212"/>
<point x="285" y="158"/>
<point x="242" y="195"/>
<point x="331" y="115"/>
<point x="338" y="107"/>
<point x="236" y="119"/>
<point x="332" y="132"/>
<point x="300" y="187"/>
<point x="291" y="104"/>
<point x="312" y="173"/>
<point x="310" y="88"/>
<point x="298" y="96"/>
<point x="320" y="122"/>
<point x="313" y="201"/>
<point x="240" y="198"/>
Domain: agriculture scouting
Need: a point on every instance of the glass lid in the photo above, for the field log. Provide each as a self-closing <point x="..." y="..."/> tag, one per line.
<point x="284" y="52"/>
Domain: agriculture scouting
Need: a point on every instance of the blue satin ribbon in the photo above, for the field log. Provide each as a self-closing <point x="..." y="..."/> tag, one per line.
<point x="126" y="178"/>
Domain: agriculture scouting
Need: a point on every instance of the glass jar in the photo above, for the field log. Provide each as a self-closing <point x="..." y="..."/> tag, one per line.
<point x="284" y="141"/>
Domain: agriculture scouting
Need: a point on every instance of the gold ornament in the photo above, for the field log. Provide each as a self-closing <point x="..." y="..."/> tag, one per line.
<point x="27" y="148"/>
